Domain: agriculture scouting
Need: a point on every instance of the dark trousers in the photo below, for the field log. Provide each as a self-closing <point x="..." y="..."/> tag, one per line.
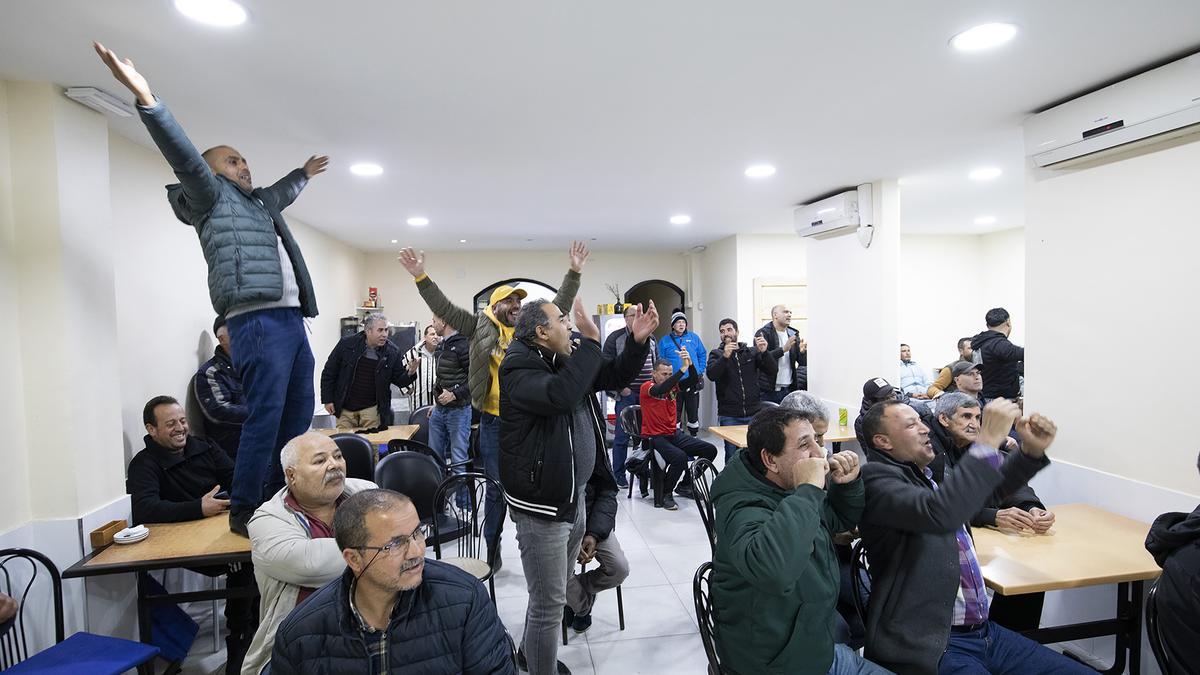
<point x="272" y="356"/>
<point x="730" y="448"/>
<point x="489" y="451"/>
<point x="688" y="401"/>
<point x="774" y="395"/>
<point x="676" y="450"/>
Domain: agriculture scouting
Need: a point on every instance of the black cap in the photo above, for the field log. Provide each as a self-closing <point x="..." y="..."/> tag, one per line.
<point x="217" y="323"/>
<point x="961" y="367"/>
<point x="877" y="388"/>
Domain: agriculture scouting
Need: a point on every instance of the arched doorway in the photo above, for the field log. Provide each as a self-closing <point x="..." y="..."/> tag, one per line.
<point x="533" y="287"/>
<point x="667" y="298"/>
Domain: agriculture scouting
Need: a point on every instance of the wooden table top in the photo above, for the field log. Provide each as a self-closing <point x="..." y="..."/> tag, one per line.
<point x="400" y="431"/>
<point x="1087" y="546"/>
<point x="169" y="545"/>
<point x="736" y="434"/>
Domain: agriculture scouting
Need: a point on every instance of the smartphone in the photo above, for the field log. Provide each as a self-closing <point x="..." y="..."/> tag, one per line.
<point x="223" y="494"/>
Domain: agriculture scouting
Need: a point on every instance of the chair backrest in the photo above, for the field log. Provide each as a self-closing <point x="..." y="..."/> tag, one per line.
<point x="358" y="453"/>
<point x="860" y="579"/>
<point x="461" y="497"/>
<point x="1154" y="632"/>
<point x="191" y="408"/>
<point x="13" y="565"/>
<point x="704" y="618"/>
<point x="413" y="445"/>
<point x="414" y="475"/>
<point x="420" y="417"/>
<point x="703" y="472"/>
<point x="631" y="421"/>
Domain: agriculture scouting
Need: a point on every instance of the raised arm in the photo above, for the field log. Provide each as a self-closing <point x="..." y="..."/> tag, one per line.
<point x="200" y="186"/>
<point x="565" y="297"/>
<point x="459" y="319"/>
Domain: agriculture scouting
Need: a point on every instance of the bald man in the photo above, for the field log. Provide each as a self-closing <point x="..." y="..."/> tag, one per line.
<point x="291" y="536"/>
<point x="257" y="280"/>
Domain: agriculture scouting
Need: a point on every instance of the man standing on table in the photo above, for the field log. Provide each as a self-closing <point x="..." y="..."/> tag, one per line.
<point x="552" y="448"/>
<point x="257" y="279"/>
<point x="490" y="332"/>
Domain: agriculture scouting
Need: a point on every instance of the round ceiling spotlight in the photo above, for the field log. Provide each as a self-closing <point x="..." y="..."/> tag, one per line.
<point x="760" y="171"/>
<point x="366" y="169"/>
<point x="983" y="36"/>
<point x="220" y="13"/>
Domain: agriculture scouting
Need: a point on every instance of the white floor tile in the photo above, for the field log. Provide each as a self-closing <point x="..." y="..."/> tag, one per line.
<point x="650" y="611"/>
<point x="679" y="563"/>
<point x="652" y="656"/>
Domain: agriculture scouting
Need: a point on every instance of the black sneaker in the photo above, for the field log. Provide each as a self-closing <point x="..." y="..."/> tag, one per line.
<point x="669" y="503"/>
<point x="622" y="483"/>
<point x="581" y="623"/>
<point x="523" y="664"/>
<point x="685" y="491"/>
<point x="238" y="518"/>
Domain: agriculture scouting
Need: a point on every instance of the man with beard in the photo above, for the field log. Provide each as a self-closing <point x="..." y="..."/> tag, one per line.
<point x="392" y="610"/>
<point x="734" y="368"/>
<point x="552" y="448"/>
<point x="176" y="478"/>
<point x="490" y="332"/>
<point x="291" y="536"/>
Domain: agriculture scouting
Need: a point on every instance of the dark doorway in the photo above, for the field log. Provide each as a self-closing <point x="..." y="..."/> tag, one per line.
<point x="667" y="298"/>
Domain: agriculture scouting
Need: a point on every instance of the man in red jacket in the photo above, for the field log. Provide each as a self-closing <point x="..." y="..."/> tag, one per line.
<point x="658" y="398"/>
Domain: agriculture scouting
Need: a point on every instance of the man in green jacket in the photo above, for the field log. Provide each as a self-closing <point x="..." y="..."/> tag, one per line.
<point x="775" y="576"/>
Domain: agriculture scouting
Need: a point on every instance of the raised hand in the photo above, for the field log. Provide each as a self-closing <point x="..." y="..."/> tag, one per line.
<point x="316" y="165"/>
<point x="643" y="323"/>
<point x="1014" y="520"/>
<point x="412" y="261"/>
<point x="843" y="466"/>
<point x="583" y="321"/>
<point x="210" y="505"/>
<point x="803" y="346"/>
<point x="685" y="357"/>
<point x="579" y="256"/>
<point x="811" y="470"/>
<point x="998" y="418"/>
<point x="730" y="348"/>
<point x="126" y="74"/>
<point x="760" y="343"/>
<point x="1037" y="432"/>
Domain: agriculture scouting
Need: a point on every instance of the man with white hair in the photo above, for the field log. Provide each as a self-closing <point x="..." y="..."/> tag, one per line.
<point x="356" y="382"/>
<point x="291" y="536"/>
<point x="807" y="403"/>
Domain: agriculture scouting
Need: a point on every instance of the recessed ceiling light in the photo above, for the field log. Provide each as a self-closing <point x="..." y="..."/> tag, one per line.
<point x="366" y="169"/>
<point x="462" y="241"/>
<point x="223" y="13"/>
<point x="985" y="220"/>
<point x="983" y="36"/>
<point x="395" y="241"/>
<point x="985" y="173"/>
<point x="760" y="171"/>
<point x="418" y="221"/>
<point x="680" y="219"/>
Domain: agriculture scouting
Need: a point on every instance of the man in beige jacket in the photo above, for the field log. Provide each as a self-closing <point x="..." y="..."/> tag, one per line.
<point x="291" y="536"/>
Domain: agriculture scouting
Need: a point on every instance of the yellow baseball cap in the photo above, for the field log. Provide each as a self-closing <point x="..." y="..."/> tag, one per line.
<point x="503" y="292"/>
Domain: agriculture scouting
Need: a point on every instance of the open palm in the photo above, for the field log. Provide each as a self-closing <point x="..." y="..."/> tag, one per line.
<point x="126" y="74"/>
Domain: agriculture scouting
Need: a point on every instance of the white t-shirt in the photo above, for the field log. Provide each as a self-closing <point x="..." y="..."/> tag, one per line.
<point x="784" y="377"/>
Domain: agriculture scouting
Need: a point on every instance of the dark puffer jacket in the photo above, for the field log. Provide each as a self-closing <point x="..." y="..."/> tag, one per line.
<point x="453" y="361"/>
<point x="799" y="359"/>
<point x="1000" y="362"/>
<point x="237" y="230"/>
<point x="736" y="378"/>
<point x="448" y="624"/>
<point x="1174" y="541"/>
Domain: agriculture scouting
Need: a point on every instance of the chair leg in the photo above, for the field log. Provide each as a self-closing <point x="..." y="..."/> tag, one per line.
<point x="492" y="587"/>
<point x="564" y="633"/>
<point x="620" y="608"/>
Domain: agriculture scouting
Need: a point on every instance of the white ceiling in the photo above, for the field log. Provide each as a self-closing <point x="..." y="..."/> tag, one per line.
<point x="543" y="120"/>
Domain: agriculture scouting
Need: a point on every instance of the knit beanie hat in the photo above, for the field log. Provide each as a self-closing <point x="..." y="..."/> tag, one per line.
<point x="677" y="316"/>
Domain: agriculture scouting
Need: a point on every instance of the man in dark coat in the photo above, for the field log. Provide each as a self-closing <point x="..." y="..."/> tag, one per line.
<point x="1002" y="363"/>
<point x="734" y="368"/>
<point x="1174" y="541"/>
<point x="357" y="377"/>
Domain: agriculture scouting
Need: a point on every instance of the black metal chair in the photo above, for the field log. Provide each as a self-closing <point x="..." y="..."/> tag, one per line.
<point x="651" y="470"/>
<point x="860" y="579"/>
<point x="86" y="652"/>
<point x="411" y="445"/>
<point x="700" y="594"/>
<point x="359" y="454"/>
<point x="420" y="417"/>
<point x="418" y="476"/>
<point x="1162" y="652"/>
<point x="703" y="472"/>
<point x="620" y="607"/>
<point x="460" y="496"/>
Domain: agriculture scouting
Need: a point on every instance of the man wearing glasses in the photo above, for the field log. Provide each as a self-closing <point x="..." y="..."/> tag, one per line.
<point x="392" y="610"/>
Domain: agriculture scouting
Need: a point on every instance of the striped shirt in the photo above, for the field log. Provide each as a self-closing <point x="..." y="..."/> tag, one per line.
<point x="971" y="602"/>
<point x="420" y="392"/>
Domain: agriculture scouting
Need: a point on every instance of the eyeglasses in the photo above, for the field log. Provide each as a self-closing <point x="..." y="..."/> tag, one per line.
<point x="399" y="544"/>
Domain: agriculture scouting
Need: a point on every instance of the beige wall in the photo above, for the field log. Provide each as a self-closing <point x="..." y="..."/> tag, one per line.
<point x="1111" y="311"/>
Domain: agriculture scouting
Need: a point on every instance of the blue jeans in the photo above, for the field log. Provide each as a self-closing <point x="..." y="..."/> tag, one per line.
<point x="775" y="395"/>
<point x="730" y="448"/>
<point x="489" y="452"/>
<point x="272" y="356"/>
<point x="451" y="427"/>
<point x="846" y="661"/>
<point x="996" y="649"/>
<point x="620" y="438"/>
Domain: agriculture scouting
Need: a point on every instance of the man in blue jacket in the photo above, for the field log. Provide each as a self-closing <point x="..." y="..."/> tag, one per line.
<point x="257" y="279"/>
<point x="689" y="387"/>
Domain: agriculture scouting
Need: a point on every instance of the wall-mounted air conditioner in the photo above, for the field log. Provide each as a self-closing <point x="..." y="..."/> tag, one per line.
<point x="1154" y="106"/>
<point x="840" y="213"/>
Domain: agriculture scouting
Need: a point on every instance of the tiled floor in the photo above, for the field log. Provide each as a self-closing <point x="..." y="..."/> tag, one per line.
<point x="664" y="549"/>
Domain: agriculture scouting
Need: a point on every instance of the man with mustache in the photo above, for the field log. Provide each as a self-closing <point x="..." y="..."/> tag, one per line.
<point x="176" y="478"/>
<point x="291" y="535"/>
<point x="392" y="610"/>
<point x="490" y="332"/>
<point x="257" y="280"/>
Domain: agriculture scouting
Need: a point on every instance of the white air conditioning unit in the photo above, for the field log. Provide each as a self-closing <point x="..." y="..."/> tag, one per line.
<point x="1154" y="106"/>
<point x="834" y="215"/>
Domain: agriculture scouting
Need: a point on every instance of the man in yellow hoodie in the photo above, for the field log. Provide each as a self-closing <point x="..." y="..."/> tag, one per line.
<point x="490" y="331"/>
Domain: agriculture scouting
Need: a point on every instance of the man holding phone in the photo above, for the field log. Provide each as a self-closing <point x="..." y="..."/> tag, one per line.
<point x="734" y="368"/>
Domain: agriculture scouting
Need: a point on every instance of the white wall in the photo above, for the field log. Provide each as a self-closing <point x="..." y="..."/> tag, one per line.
<point x="947" y="284"/>
<point x="765" y="256"/>
<point x="1110" y="279"/>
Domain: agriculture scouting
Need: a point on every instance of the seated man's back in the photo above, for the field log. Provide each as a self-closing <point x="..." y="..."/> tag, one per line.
<point x="1174" y="541"/>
